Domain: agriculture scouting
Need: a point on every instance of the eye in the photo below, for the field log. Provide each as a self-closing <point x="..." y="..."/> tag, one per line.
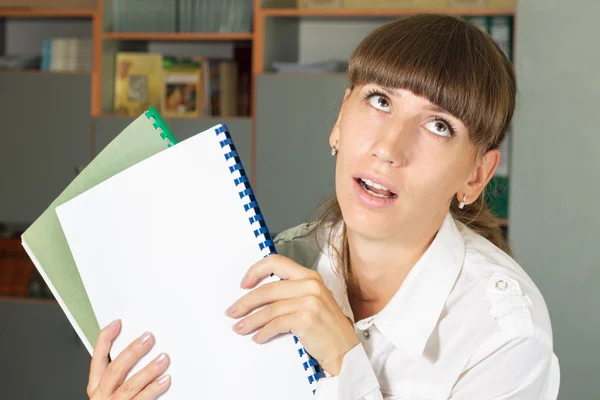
<point x="440" y="127"/>
<point x="379" y="101"/>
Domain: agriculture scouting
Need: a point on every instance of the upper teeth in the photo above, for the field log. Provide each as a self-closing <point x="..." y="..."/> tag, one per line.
<point x="375" y="185"/>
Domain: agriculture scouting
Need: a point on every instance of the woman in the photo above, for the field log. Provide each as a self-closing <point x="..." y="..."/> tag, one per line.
<point x="408" y="291"/>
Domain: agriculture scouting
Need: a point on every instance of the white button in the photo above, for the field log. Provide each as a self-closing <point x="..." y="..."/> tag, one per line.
<point x="367" y="334"/>
<point x="501" y="285"/>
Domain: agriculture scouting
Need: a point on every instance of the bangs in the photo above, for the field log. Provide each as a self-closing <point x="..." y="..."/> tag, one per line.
<point x="450" y="62"/>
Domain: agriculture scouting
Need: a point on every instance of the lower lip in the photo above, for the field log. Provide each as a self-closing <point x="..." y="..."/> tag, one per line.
<point x="369" y="200"/>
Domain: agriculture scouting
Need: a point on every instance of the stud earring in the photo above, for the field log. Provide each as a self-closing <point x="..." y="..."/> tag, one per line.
<point x="334" y="149"/>
<point x="462" y="203"/>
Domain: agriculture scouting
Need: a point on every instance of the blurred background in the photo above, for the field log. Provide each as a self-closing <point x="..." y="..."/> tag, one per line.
<point x="74" y="73"/>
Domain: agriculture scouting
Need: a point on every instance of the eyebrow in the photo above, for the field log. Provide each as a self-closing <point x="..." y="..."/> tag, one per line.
<point x="438" y="109"/>
<point x="389" y="91"/>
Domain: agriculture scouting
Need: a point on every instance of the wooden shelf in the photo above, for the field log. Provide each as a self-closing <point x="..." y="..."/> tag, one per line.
<point x="27" y="300"/>
<point x="44" y="72"/>
<point x="202" y="117"/>
<point x="178" y="36"/>
<point x="46" y="13"/>
<point x="342" y="12"/>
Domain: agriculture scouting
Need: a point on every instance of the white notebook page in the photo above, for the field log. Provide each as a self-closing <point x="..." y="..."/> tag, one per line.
<point x="164" y="245"/>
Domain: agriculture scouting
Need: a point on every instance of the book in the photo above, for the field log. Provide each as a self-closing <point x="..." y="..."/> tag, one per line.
<point x="220" y="86"/>
<point x="163" y="245"/>
<point x="44" y="240"/>
<point x="182" y="91"/>
<point x="138" y="82"/>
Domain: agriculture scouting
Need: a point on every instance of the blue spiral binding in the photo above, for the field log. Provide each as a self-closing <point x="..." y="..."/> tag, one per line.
<point x="261" y="231"/>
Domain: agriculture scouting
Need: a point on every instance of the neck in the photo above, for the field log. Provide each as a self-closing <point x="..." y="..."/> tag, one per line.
<point x="380" y="266"/>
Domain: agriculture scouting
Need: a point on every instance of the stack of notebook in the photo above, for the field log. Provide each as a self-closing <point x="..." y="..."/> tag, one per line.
<point x="159" y="234"/>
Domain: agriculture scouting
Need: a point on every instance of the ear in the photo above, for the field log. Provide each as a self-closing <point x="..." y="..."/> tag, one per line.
<point x="334" y="136"/>
<point x="482" y="173"/>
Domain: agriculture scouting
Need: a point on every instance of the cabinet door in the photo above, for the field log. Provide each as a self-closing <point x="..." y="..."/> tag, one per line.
<point x="41" y="355"/>
<point x="44" y="138"/>
<point x="295" y="169"/>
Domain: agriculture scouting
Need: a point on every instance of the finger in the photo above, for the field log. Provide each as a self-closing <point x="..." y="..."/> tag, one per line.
<point x="118" y="369"/>
<point x="99" y="361"/>
<point x="274" y="291"/>
<point x="278" y="265"/>
<point x="284" y="324"/>
<point x="138" y="382"/>
<point x="155" y="389"/>
<point x="261" y="318"/>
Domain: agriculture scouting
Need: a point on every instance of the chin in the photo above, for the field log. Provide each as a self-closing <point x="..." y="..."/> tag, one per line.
<point x="366" y="227"/>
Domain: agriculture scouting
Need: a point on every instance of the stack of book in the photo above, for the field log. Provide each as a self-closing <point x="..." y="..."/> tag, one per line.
<point x="182" y="15"/>
<point x="215" y="15"/>
<point x="178" y="87"/>
<point x="66" y="54"/>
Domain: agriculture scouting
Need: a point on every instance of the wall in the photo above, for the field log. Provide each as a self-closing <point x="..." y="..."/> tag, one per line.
<point x="554" y="222"/>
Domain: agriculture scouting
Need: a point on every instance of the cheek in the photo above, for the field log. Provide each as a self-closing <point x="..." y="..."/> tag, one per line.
<point x="438" y="171"/>
<point x="358" y="133"/>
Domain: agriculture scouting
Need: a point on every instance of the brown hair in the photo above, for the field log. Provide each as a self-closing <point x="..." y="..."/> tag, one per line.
<point x="455" y="65"/>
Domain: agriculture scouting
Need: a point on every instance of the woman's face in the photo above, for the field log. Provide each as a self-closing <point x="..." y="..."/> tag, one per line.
<point x="401" y="160"/>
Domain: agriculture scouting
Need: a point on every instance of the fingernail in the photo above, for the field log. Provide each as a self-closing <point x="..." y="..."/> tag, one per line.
<point x="145" y="337"/>
<point x="115" y="322"/>
<point x="255" y="338"/>
<point x="161" y="357"/>
<point x="230" y="310"/>
<point x="238" y="326"/>
<point x="243" y="280"/>
<point x="164" y="379"/>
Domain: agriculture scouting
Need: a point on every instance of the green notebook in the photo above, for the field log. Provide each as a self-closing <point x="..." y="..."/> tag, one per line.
<point x="45" y="242"/>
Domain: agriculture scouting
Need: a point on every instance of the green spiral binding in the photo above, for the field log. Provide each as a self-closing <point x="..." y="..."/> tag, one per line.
<point x="159" y="123"/>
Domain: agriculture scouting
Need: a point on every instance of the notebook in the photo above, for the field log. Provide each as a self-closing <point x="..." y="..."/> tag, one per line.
<point x="45" y="242"/>
<point x="163" y="245"/>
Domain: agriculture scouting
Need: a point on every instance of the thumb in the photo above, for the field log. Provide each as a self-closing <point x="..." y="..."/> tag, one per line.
<point x="100" y="357"/>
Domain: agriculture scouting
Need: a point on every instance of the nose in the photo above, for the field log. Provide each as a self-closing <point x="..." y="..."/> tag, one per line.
<point x="392" y="144"/>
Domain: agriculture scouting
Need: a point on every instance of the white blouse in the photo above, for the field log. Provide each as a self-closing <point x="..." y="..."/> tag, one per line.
<point x="467" y="323"/>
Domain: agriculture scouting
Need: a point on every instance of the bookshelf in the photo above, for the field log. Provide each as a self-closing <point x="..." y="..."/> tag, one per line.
<point x="361" y="13"/>
<point x="265" y="12"/>
<point x="280" y="31"/>
<point x="177" y="36"/>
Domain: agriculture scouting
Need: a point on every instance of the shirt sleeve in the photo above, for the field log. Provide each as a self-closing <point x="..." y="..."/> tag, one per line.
<point x="356" y="381"/>
<point x="525" y="368"/>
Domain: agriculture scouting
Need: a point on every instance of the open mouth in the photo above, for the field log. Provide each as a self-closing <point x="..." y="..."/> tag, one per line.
<point x="375" y="189"/>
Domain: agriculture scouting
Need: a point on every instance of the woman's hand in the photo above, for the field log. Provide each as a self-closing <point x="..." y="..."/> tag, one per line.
<point x="107" y="380"/>
<point x="301" y="304"/>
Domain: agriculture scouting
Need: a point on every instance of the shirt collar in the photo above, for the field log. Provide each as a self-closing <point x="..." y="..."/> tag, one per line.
<point x="410" y="317"/>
